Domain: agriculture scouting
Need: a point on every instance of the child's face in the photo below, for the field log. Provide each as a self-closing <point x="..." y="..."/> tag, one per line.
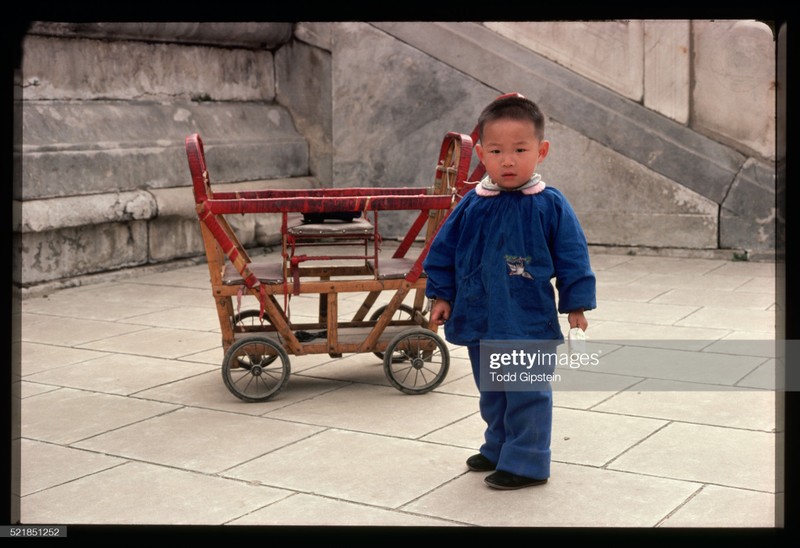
<point x="510" y="151"/>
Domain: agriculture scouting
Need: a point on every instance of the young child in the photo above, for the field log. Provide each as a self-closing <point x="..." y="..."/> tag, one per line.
<point x="489" y="275"/>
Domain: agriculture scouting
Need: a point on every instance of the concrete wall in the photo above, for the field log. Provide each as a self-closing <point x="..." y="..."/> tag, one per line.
<point x="648" y="140"/>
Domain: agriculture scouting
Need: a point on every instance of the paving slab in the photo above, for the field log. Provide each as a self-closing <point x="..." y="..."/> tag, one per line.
<point x="312" y="510"/>
<point x="158" y="342"/>
<point x="606" y="261"/>
<point x="709" y="454"/>
<point x="39" y="473"/>
<point x="632" y="292"/>
<point x="679" y="365"/>
<point x="214" y="356"/>
<point x="758" y="284"/>
<point x="722" y="507"/>
<point x="173" y="439"/>
<point x="579" y="437"/>
<point x="122" y="374"/>
<point x="128" y="291"/>
<point x="657" y="265"/>
<point x="716" y="298"/>
<point x="145" y="494"/>
<point x="197" y="318"/>
<point x="663" y="314"/>
<point x="765" y="377"/>
<point x="696" y="403"/>
<point x="466" y="432"/>
<point x="88" y="306"/>
<point x="196" y="276"/>
<point x="681" y="281"/>
<point x="746" y="268"/>
<point x="28" y="389"/>
<point x="67" y="415"/>
<point x="208" y="391"/>
<point x="37" y="357"/>
<point x="363" y="368"/>
<point x="747" y="343"/>
<point x="357" y="467"/>
<point x="74" y="332"/>
<point x="594" y="439"/>
<point x="654" y="335"/>
<point x="575" y="496"/>
<point x="612" y="277"/>
<point x="379" y="410"/>
<point x="727" y="318"/>
<point x="460" y="383"/>
<point x="579" y="389"/>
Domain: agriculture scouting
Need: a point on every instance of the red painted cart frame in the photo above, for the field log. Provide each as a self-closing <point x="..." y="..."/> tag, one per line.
<point x="257" y="343"/>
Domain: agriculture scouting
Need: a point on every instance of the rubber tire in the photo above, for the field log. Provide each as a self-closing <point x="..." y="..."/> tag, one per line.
<point x="379" y="312"/>
<point x="233" y="376"/>
<point x="417" y="362"/>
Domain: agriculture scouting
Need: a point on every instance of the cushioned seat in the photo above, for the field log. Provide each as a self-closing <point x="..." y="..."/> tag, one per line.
<point x="356" y="227"/>
<point x="267" y="273"/>
<point x="391" y="268"/>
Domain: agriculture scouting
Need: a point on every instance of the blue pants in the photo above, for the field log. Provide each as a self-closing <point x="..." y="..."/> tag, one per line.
<point x="518" y="427"/>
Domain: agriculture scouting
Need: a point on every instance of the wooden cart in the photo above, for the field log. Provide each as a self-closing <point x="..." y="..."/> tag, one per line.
<point x="258" y="342"/>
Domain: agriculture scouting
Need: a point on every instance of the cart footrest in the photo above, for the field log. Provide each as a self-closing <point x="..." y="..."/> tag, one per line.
<point x="267" y="273"/>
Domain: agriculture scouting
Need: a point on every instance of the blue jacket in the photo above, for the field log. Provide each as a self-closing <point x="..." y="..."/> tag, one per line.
<point x="494" y="258"/>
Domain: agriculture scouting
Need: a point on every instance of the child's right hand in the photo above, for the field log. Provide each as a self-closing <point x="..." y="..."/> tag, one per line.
<point x="440" y="312"/>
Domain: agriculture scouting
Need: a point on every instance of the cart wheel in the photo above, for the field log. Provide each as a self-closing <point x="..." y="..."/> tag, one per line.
<point x="249" y="372"/>
<point x="403" y="312"/>
<point x="425" y="361"/>
<point x="243" y="320"/>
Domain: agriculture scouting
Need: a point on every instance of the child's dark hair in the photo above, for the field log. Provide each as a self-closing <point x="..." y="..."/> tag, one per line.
<point x="515" y="107"/>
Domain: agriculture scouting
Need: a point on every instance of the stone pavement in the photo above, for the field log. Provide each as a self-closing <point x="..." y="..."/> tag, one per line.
<point x="126" y="420"/>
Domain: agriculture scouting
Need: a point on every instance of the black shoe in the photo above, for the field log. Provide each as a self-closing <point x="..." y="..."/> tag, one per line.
<point x="505" y="480"/>
<point x="479" y="463"/>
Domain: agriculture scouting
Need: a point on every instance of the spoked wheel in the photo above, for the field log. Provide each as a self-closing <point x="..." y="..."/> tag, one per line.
<point x="255" y="368"/>
<point x="425" y="361"/>
<point x="243" y="322"/>
<point x="403" y="312"/>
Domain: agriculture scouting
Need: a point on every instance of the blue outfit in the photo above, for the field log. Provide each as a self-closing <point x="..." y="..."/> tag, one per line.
<point x="493" y="259"/>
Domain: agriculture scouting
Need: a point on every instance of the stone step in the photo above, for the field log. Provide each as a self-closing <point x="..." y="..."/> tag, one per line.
<point x="68" y="237"/>
<point x="93" y="147"/>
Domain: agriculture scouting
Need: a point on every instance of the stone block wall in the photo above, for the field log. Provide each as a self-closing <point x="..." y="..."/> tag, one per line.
<point x="716" y="77"/>
<point x="699" y="73"/>
<point x="635" y="173"/>
<point x="645" y="120"/>
<point x="105" y="111"/>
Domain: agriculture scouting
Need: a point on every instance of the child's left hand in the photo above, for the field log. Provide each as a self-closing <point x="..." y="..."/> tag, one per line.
<point x="577" y="319"/>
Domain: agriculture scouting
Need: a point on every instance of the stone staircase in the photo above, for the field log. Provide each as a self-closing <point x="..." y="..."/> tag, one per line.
<point x="658" y="183"/>
<point x="105" y="181"/>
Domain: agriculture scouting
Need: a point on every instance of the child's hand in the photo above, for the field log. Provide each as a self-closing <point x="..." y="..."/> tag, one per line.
<point x="440" y="312"/>
<point x="577" y="319"/>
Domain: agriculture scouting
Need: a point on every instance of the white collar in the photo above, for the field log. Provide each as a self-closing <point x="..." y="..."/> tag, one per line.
<point x="487" y="188"/>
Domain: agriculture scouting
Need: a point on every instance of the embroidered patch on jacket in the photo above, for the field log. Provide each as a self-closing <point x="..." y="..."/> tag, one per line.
<point x="516" y="266"/>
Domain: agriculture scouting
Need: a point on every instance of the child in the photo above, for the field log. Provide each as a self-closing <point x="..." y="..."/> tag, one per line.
<point x="489" y="270"/>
